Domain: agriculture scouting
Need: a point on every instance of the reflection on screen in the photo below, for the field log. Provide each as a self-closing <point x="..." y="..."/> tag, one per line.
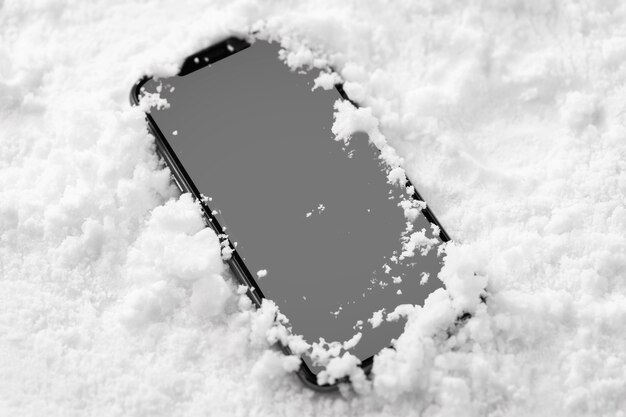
<point x="317" y="216"/>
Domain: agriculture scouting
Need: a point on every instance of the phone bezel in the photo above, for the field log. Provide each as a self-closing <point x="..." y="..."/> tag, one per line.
<point x="192" y="63"/>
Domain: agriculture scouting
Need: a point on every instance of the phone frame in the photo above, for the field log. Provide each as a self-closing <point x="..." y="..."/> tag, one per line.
<point x="199" y="60"/>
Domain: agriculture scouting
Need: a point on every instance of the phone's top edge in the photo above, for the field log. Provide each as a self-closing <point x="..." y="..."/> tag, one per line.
<point x="212" y="54"/>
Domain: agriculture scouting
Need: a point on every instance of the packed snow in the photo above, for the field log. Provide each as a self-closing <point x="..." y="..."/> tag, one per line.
<point x="508" y="116"/>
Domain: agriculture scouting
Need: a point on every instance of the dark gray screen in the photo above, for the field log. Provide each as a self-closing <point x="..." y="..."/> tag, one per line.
<point x="318" y="216"/>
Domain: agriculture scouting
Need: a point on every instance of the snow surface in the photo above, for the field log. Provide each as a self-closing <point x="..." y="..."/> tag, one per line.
<point x="508" y="116"/>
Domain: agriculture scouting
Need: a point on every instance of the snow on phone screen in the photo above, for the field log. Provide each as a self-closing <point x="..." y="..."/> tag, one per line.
<point x="316" y="215"/>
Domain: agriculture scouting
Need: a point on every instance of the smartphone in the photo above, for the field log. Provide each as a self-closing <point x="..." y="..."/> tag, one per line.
<point x="306" y="221"/>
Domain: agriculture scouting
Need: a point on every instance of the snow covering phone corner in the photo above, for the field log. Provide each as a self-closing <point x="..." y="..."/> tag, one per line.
<point x="321" y="221"/>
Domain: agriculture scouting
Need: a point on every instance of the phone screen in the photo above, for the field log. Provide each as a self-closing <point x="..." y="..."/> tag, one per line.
<point x="317" y="215"/>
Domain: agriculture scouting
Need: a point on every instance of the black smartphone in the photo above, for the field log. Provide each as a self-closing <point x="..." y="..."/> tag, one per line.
<point x="306" y="221"/>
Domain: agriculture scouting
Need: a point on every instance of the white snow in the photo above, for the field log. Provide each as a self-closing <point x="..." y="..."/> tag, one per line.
<point x="318" y="210"/>
<point x="349" y="344"/>
<point x="377" y="318"/>
<point x="508" y="116"/>
<point x="327" y="80"/>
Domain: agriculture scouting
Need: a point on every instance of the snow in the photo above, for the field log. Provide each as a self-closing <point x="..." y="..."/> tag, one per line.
<point x="508" y="117"/>
<point x="345" y="365"/>
<point x="377" y="318"/>
<point x="353" y="341"/>
<point x="327" y="80"/>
